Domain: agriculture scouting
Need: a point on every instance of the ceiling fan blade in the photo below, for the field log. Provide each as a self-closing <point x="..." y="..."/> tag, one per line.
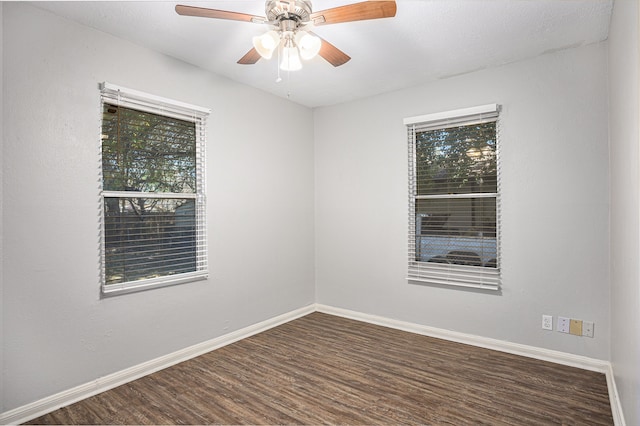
<point x="250" y="58"/>
<point x="355" y="12"/>
<point x="332" y="54"/>
<point x="203" y="12"/>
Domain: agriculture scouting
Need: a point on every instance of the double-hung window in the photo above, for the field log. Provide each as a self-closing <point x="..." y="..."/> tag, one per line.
<point x="454" y="195"/>
<point x="152" y="185"/>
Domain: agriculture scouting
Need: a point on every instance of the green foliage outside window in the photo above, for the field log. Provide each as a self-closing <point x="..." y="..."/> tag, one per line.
<point x="456" y="182"/>
<point x="457" y="160"/>
<point x="148" y="154"/>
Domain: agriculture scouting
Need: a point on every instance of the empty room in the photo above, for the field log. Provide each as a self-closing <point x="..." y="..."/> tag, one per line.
<point x="327" y="212"/>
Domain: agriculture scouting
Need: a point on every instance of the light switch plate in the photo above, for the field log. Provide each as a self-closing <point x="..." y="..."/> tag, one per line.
<point x="563" y="325"/>
<point x="575" y="327"/>
<point x="587" y="328"/>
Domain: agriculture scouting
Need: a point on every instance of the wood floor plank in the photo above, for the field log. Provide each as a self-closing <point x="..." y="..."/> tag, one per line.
<point x="323" y="369"/>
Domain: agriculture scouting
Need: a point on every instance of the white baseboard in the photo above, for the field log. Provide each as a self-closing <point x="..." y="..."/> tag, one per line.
<point x="557" y="357"/>
<point x="470" y="339"/>
<point x="64" y="398"/>
<point x="614" y="399"/>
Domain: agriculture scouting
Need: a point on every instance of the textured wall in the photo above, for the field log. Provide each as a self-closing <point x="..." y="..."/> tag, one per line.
<point x="624" y="128"/>
<point x="555" y="240"/>
<point x="58" y="332"/>
<point x="1" y="209"/>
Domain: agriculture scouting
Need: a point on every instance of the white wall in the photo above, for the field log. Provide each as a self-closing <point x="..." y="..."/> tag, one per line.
<point x="58" y="332"/>
<point x="624" y="73"/>
<point x="1" y="210"/>
<point x="555" y="209"/>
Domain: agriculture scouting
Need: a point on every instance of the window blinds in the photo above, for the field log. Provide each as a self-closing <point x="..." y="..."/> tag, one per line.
<point x="454" y="198"/>
<point x="153" y="198"/>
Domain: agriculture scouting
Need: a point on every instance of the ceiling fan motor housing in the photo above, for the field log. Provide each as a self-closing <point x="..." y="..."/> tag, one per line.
<point x="295" y="10"/>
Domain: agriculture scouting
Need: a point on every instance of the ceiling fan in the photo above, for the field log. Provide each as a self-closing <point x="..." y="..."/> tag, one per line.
<point x="290" y="22"/>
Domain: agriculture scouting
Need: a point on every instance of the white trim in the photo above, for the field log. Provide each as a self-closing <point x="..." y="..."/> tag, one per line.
<point x="614" y="399"/>
<point x="415" y="277"/>
<point x="147" y="284"/>
<point x="137" y="94"/>
<point x="448" y="196"/>
<point x="473" y="340"/>
<point x="422" y="249"/>
<point x="46" y="405"/>
<point x="557" y="357"/>
<point x="119" y="95"/>
<point x="137" y="194"/>
<point x="481" y="109"/>
<point x="78" y="393"/>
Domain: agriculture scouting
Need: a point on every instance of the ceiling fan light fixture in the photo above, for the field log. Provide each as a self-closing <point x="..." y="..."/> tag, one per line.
<point x="289" y="17"/>
<point x="266" y="43"/>
<point x="290" y="59"/>
<point x="308" y="45"/>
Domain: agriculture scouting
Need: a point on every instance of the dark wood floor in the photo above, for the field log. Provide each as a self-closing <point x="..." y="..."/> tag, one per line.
<point x="323" y="369"/>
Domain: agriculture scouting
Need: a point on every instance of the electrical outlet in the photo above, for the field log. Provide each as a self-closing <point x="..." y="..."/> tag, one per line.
<point x="547" y="322"/>
<point x="563" y="325"/>
<point x="587" y="328"/>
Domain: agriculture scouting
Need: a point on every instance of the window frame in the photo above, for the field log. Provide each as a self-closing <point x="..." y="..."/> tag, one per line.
<point x="133" y="99"/>
<point x="454" y="275"/>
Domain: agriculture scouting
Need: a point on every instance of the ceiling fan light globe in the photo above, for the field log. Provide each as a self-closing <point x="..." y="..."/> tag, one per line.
<point x="266" y="43"/>
<point x="290" y="59"/>
<point x="309" y="45"/>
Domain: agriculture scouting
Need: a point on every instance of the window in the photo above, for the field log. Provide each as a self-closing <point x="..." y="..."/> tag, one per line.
<point x="152" y="204"/>
<point x="454" y="198"/>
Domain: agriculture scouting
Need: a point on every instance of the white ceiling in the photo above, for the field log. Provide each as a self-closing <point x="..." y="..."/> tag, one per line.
<point x="427" y="40"/>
